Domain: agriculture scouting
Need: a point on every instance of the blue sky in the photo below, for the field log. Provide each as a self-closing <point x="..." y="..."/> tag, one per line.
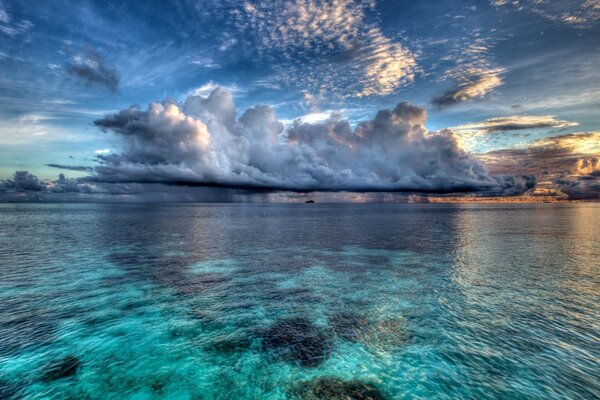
<point x="65" y="64"/>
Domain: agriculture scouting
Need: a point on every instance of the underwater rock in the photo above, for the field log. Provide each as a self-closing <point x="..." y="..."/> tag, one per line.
<point x="348" y="326"/>
<point x="332" y="388"/>
<point x="297" y="341"/>
<point x="60" y="369"/>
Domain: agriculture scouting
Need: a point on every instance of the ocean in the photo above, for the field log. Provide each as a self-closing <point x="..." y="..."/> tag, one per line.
<point x="300" y="301"/>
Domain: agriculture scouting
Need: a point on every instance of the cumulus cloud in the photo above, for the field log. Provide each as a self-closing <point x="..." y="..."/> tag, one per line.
<point x="91" y="69"/>
<point x="569" y="163"/>
<point x="22" y="181"/>
<point x="200" y="150"/>
<point x="201" y="142"/>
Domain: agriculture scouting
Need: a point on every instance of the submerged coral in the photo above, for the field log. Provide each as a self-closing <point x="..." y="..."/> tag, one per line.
<point x="298" y="341"/>
<point x="332" y="388"/>
<point x="63" y="368"/>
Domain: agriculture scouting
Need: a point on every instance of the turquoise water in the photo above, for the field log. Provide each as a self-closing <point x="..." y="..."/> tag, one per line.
<point x="356" y="301"/>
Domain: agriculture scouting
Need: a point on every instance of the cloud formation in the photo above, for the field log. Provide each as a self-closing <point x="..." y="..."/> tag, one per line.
<point x="80" y="168"/>
<point x="349" y="49"/>
<point x="11" y="27"/>
<point x="569" y="163"/>
<point x="474" y="75"/>
<point x="579" y="13"/>
<point x="471" y="83"/>
<point x="200" y="142"/>
<point x="91" y="69"/>
<point x="515" y="122"/>
<point x="471" y="134"/>
<point x="24" y="186"/>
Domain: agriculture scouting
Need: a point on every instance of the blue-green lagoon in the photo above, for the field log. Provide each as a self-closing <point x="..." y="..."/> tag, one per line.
<point x="299" y="301"/>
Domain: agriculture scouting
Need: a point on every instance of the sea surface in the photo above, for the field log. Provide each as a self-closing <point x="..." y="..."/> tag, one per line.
<point x="299" y="301"/>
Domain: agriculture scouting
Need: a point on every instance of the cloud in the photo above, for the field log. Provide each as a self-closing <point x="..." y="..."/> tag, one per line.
<point x="578" y="13"/>
<point x="470" y="134"/>
<point x="515" y="122"/>
<point x="22" y="181"/>
<point x="200" y="147"/>
<point x="200" y="142"/>
<point x="472" y="83"/>
<point x="25" y="187"/>
<point x="569" y="163"/>
<point x="91" y="69"/>
<point x="72" y="167"/>
<point x="210" y="86"/>
<point x="583" y="187"/>
<point x="12" y="28"/>
<point x="320" y="45"/>
<point x="387" y="65"/>
<point x="474" y="74"/>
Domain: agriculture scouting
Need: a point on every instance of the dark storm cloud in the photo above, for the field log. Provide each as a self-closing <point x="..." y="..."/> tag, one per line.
<point x="201" y="143"/>
<point x="583" y="187"/>
<point x="25" y="187"/>
<point x="91" y="69"/>
<point x="22" y="181"/>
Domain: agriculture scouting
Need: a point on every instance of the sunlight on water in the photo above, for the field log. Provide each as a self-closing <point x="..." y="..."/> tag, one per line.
<point x="290" y="302"/>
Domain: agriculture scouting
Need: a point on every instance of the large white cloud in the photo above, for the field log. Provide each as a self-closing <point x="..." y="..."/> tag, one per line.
<point x="201" y="142"/>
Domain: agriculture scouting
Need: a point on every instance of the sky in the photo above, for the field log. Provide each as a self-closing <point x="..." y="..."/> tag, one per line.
<point x="225" y="100"/>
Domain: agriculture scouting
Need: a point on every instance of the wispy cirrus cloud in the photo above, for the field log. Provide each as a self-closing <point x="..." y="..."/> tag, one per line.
<point x="11" y="27"/>
<point x="578" y="13"/>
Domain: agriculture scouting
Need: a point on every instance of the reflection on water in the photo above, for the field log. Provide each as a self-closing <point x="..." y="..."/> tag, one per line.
<point x="299" y="302"/>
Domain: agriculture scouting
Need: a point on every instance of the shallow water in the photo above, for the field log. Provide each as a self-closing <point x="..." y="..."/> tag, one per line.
<point x="300" y="301"/>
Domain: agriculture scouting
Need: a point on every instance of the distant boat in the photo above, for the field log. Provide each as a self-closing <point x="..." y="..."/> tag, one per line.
<point x="309" y="201"/>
